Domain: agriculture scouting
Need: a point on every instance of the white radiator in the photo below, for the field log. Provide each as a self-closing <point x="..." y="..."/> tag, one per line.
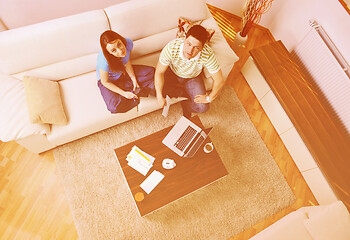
<point x="318" y="56"/>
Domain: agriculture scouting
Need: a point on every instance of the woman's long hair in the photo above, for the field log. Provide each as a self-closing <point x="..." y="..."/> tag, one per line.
<point x="115" y="63"/>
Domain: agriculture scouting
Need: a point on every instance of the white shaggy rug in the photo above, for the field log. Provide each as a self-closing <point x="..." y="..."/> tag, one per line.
<point x="103" y="208"/>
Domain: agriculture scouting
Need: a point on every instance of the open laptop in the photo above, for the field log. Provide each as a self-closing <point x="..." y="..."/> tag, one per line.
<point x="185" y="137"/>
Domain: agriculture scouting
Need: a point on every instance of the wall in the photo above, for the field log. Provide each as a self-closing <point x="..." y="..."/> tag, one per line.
<point x="232" y="6"/>
<point x="288" y="20"/>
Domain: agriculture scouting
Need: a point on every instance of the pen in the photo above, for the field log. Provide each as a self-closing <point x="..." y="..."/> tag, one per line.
<point x="133" y="97"/>
<point x="137" y="91"/>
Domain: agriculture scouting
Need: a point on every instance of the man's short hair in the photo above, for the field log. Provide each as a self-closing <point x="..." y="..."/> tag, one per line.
<point x="199" y="33"/>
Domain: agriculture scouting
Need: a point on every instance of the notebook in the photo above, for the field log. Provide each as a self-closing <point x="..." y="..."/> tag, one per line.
<point x="185" y="137"/>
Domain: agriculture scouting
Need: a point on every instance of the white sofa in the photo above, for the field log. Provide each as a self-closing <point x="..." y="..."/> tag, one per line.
<point x="65" y="50"/>
<point x="326" y="222"/>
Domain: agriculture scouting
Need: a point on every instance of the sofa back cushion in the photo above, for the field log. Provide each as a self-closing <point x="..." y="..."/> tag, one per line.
<point x="152" y="43"/>
<point x="19" y="13"/>
<point x="64" y="69"/>
<point x="50" y="42"/>
<point x="139" y="18"/>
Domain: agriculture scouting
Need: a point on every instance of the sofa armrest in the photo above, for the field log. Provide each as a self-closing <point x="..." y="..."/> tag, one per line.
<point x="2" y="26"/>
<point x="330" y="221"/>
<point x="14" y="117"/>
<point x="37" y="143"/>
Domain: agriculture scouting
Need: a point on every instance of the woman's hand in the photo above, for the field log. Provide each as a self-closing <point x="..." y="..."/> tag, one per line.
<point x="129" y="95"/>
<point x="136" y="85"/>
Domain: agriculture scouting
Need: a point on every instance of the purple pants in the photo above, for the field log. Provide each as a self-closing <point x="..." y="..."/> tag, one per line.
<point x="118" y="104"/>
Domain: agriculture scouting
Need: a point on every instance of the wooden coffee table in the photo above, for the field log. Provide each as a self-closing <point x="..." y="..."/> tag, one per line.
<point x="189" y="175"/>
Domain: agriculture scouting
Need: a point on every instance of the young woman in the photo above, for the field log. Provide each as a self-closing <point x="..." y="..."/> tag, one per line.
<point x="121" y="84"/>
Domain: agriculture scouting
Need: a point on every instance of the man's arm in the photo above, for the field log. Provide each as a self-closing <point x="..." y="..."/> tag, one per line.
<point x="218" y="83"/>
<point x="159" y="83"/>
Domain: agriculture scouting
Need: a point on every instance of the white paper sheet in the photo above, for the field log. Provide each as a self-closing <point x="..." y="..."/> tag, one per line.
<point x="152" y="181"/>
<point x="167" y="106"/>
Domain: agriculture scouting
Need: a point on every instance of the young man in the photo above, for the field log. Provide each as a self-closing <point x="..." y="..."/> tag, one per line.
<point x="186" y="59"/>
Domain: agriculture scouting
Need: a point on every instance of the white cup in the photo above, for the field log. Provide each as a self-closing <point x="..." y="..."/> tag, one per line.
<point x="168" y="163"/>
<point x="208" y="147"/>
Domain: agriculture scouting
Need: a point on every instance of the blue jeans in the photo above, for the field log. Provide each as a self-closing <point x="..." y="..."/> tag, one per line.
<point x="191" y="87"/>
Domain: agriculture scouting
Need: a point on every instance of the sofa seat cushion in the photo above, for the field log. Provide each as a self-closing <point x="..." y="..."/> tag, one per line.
<point x="85" y="109"/>
<point x="14" y="116"/>
<point x="149" y="59"/>
<point x="122" y="16"/>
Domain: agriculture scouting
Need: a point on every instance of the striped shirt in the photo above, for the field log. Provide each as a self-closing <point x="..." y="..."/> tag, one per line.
<point x="172" y="55"/>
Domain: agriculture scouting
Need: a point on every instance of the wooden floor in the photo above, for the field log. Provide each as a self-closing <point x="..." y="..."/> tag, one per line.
<point x="32" y="199"/>
<point x="259" y="36"/>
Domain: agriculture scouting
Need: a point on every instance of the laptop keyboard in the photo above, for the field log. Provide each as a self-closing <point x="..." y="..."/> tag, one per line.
<point x="185" y="138"/>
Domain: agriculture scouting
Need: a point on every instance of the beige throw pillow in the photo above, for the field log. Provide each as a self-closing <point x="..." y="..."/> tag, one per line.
<point x="44" y="101"/>
<point x="184" y="25"/>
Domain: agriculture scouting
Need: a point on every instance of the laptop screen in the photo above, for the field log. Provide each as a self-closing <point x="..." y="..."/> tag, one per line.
<point x="197" y="142"/>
